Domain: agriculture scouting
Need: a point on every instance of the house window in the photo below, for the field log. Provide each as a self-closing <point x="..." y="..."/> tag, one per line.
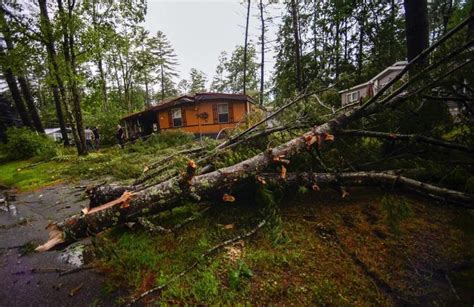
<point x="177" y="119"/>
<point x="353" y="97"/>
<point x="223" y="112"/>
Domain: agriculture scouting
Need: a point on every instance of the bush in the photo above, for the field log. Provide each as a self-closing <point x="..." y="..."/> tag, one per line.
<point x="22" y="143"/>
<point x="171" y="138"/>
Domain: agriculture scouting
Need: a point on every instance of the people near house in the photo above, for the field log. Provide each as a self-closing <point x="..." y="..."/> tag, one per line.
<point x="96" y="136"/>
<point x="120" y="135"/>
<point x="88" y="135"/>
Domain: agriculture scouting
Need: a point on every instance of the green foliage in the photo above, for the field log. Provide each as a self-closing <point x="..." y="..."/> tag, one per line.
<point x="238" y="275"/>
<point x="397" y="209"/>
<point x="22" y="143"/>
<point x="206" y="286"/>
<point x="265" y="199"/>
<point x="170" y="139"/>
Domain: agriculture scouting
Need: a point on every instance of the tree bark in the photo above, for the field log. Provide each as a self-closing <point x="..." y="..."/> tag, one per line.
<point x="470" y="27"/>
<point x="246" y="47"/>
<point x="262" y="42"/>
<point x="36" y="121"/>
<point x="373" y="178"/>
<point x="58" y="89"/>
<point x="69" y="57"/>
<point x="417" y="27"/>
<point x="13" y="86"/>
<point x="25" y="88"/>
<point x="297" y="45"/>
<point x="407" y="137"/>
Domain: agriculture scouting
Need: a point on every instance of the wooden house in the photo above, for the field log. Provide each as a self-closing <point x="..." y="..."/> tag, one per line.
<point x="371" y="87"/>
<point x="202" y="114"/>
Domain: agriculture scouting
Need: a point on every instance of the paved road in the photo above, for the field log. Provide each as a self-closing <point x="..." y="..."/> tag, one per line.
<point x="27" y="280"/>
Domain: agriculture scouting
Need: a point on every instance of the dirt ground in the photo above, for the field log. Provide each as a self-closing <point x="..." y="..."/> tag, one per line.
<point x="33" y="279"/>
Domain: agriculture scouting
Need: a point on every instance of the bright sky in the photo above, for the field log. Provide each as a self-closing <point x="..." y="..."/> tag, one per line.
<point x="200" y="30"/>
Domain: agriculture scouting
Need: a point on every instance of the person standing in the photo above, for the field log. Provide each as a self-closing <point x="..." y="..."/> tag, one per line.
<point x="95" y="133"/>
<point x="120" y="136"/>
<point x="88" y="135"/>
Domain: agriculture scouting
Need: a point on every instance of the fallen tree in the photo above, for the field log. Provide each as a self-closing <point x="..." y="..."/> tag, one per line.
<point x="120" y="204"/>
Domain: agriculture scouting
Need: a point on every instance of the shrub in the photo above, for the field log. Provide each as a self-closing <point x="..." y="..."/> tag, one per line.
<point x="170" y="138"/>
<point x="22" y="143"/>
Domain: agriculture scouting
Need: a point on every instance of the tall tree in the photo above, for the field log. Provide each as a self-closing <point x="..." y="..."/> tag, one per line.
<point x="297" y="44"/>
<point x="57" y="84"/>
<point x="69" y="28"/>
<point x="417" y="27"/>
<point x="197" y="82"/>
<point x="19" y="72"/>
<point x="218" y="82"/>
<point x="166" y="63"/>
<point x="13" y="86"/>
<point x="262" y="51"/>
<point x="246" y="47"/>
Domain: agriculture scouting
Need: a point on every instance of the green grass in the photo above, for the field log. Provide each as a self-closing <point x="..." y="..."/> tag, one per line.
<point x="305" y="269"/>
<point x="112" y="162"/>
<point x="19" y="175"/>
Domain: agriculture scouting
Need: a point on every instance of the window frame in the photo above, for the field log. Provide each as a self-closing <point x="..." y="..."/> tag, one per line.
<point x="173" y="118"/>
<point x="219" y="114"/>
<point x="351" y="96"/>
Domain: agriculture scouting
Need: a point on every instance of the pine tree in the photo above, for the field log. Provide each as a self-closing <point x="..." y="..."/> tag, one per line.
<point x="167" y="63"/>
<point x="197" y="82"/>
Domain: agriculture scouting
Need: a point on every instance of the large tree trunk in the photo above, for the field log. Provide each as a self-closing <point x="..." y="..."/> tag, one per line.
<point x="69" y="57"/>
<point x="36" y="122"/>
<point x="246" y="47"/>
<point x="297" y="45"/>
<point x="31" y="104"/>
<point x="13" y="86"/>
<point x="46" y="28"/>
<point x="262" y="60"/>
<point x="417" y="27"/>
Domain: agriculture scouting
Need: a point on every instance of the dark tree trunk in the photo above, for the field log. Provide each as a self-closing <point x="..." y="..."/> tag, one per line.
<point x="36" y="121"/>
<point x="296" y="35"/>
<point x="8" y="71"/>
<point x="103" y="82"/>
<point x="31" y="104"/>
<point x="417" y="27"/>
<point x="12" y="85"/>
<point x="262" y="41"/>
<point x="337" y="47"/>
<point x="70" y="59"/>
<point x="162" y="83"/>
<point x="360" y="52"/>
<point x="246" y="47"/>
<point x="470" y="28"/>
<point x="60" y="98"/>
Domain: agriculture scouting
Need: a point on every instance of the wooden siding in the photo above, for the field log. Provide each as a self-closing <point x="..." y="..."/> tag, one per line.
<point x="193" y="123"/>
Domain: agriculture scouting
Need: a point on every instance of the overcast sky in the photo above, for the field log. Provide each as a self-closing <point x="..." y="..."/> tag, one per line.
<point x="200" y="30"/>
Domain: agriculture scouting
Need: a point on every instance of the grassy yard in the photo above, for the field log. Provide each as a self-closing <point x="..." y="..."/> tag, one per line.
<point x="328" y="251"/>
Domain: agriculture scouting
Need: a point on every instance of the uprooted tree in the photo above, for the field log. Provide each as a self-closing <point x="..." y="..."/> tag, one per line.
<point x="397" y="112"/>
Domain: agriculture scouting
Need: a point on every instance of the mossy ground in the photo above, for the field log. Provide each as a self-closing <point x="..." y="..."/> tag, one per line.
<point x="334" y="247"/>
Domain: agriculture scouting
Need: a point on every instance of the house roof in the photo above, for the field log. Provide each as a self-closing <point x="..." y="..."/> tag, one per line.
<point x="186" y="99"/>
<point x="396" y="66"/>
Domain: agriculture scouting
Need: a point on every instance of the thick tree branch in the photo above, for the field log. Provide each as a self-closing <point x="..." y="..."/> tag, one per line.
<point x="408" y="137"/>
